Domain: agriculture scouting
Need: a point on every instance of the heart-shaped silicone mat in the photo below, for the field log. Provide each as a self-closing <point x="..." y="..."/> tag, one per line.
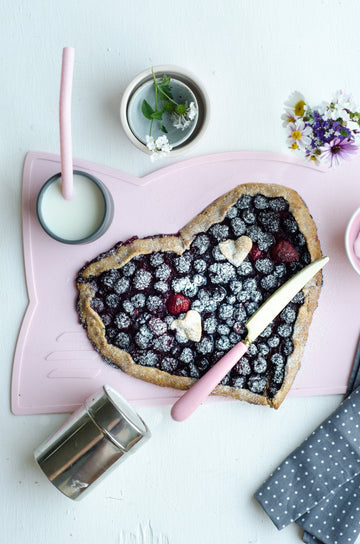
<point x="55" y="368"/>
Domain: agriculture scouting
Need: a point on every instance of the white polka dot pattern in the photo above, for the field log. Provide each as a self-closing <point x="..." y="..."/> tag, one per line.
<point x="318" y="485"/>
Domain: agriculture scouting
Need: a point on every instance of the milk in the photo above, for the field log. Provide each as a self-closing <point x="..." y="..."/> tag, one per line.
<point x="77" y="218"/>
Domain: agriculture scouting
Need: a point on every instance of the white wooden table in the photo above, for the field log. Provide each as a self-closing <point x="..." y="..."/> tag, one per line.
<point x="194" y="482"/>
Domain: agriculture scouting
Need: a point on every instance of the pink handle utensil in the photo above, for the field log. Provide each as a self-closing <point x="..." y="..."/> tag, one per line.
<point x="67" y="181"/>
<point x="198" y="392"/>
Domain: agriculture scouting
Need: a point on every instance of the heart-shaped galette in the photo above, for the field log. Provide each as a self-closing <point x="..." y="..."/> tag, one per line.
<point x="166" y="308"/>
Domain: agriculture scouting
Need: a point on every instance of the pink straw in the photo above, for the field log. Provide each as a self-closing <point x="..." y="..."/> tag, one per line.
<point x="67" y="184"/>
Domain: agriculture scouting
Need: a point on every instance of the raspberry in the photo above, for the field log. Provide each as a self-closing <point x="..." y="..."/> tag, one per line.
<point x="285" y="252"/>
<point x="177" y="303"/>
<point x="254" y="253"/>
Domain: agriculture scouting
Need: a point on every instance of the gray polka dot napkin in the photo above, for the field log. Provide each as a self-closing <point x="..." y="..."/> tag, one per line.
<point x="318" y="485"/>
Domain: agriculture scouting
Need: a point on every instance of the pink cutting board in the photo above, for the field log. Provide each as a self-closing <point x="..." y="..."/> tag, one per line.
<point x="55" y="367"/>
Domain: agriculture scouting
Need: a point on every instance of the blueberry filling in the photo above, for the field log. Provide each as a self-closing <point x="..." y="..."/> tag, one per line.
<point x="138" y="302"/>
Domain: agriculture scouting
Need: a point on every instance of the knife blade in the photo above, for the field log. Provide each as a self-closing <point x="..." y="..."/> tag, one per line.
<point x="257" y="323"/>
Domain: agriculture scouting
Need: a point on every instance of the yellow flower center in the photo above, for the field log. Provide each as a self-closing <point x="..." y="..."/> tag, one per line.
<point x="299" y="108"/>
<point x="296" y="135"/>
<point x="294" y="145"/>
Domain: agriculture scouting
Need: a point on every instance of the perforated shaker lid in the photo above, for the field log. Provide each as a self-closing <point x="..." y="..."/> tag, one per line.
<point x="116" y="418"/>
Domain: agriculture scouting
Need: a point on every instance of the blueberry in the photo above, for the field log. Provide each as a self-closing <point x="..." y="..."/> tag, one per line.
<point x="210" y="324"/>
<point x="219" y="231"/>
<point x="205" y="346"/>
<point x="235" y="286"/>
<point x="186" y="356"/>
<point x="161" y="286"/>
<point x="112" y="301"/>
<point x="232" y="212"/>
<point x="168" y="364"/>
<point x="154" y="304"/>
<point x="223" y="343"/>
<point x="277" y="359"/>
<point x="163" y="272"/>
<point x="284" y="330"/>
<point x="128" y="269"/>
<point x="289" y="224"/>
<point x="223" y="329"/>
<point x="265" y="241"/>
<point x="201" y="243"/>
<point x="243" y="366"/>
<point x="244" y="202"/>
<point x="156" y="259"/>
<point x="273" y="341"/>
<point x="193" y="371"/>
<point x="122" y="321"/>
<point x="288" y="314"/>
<point x="278" y="204"/>
<point x="261" y="202"/>
<point x="199" y="265"/>
<point x="239" y="383"/>
<point x="253" y="349"/>
<point x="157" y="326"/>
<point x="121" y="285"/>
<point x="148" y="359"/>
<point x="122" y="340"/>
<point x="264" y="266"/>
<point x="269" y="282"/>
<point x="97" y="305"/>
<point x="263" y="349"/>
<point x="142" y="341"/>
<point x="226" y="311"/>
<point x="217" y="254"/>
<point x="245" y="269"/>
<point x="142" y="279"/>
<point x="108" y="278"/>
<point x="288" y="347"/>
<point x="270" y="221"/>
<point x="163" y="343"/>
<point x="221" y="272"/>
<point x="238" y="226"/>
<point x="257" y="384"/>
<point x="182" y="264"/>
<point x="138" y="300"/>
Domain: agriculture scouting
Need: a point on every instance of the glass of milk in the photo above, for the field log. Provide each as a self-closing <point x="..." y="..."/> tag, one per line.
<point x="80" y="220"/>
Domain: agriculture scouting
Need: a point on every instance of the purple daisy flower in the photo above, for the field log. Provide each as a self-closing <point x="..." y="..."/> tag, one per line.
<point x="337" y="150"/>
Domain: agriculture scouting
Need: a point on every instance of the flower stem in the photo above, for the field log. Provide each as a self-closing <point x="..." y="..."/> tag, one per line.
<point x="161" y="91"/>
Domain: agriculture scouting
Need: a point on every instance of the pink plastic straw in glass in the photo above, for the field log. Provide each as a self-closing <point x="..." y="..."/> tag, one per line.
<point x="67" y="183"/>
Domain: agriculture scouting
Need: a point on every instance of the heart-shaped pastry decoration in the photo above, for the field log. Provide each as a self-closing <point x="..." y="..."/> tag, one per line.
<point x="236" y="251"/>
<point x="138" y="301"/>
<point x="188" y="326"/>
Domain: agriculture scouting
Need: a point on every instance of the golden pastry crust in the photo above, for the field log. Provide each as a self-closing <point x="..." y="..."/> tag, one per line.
<point x="214" y="213"/>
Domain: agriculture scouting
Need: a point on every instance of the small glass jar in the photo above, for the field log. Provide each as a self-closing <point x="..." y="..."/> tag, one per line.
<point x="80" y="220"/>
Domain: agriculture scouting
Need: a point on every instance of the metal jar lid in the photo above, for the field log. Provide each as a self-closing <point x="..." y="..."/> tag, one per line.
<point x="98" y="435"/>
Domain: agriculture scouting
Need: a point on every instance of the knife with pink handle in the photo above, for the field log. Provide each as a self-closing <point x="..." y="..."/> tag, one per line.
<point x="267" y="312"/>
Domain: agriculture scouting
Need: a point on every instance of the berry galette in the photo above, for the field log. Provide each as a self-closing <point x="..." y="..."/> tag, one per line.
<point x="166" y="308"/>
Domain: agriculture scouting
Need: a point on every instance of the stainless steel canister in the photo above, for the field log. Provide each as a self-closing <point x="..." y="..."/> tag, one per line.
<point x="100" y="434"/>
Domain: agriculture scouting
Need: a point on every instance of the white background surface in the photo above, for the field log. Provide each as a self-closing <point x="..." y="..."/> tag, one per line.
<point x="193" y="482"/>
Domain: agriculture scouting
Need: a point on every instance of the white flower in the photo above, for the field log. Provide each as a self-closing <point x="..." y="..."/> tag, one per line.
<point x="159" y="147"/>
<point x="150" y="142"/>
<point x="162" y="144"/>
<point x="295" y="104"/>
<point x="299" y="135"/>
<point x="344" y="101"/>
<point x="183" y="121"/>
<point x="192" y="111"/>
<point x="287" y="118"/>
<point x="339" y="108"/>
